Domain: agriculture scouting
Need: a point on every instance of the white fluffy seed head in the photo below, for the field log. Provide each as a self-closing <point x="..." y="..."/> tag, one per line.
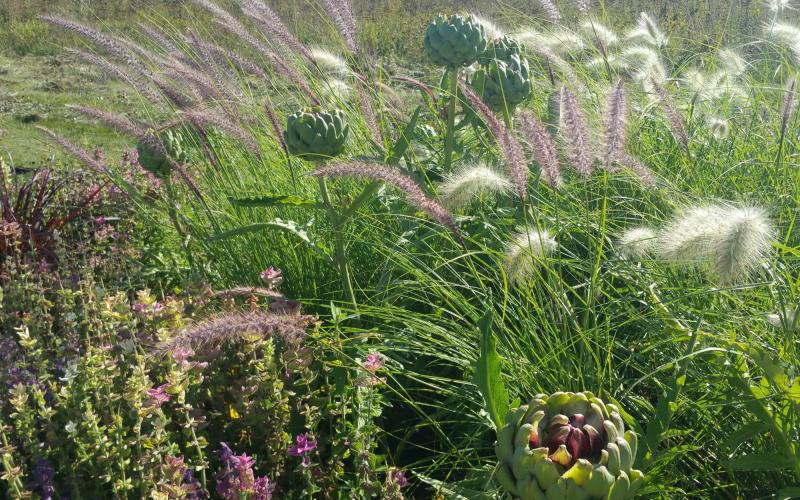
<point x="785" y="34"/>
<point x="732" y="62"/>
<point x="786" y="318"/>
<point x="719" y="128"/>
<point x="728" y="240"/>
<point x="526" y="251"/>
<point x="329" y="62"/>
<point x="595" y="30"/>
<point x="464" y="185"/>
<point x="637" y="243"/>
<point x="491" y="29"/>
<point x="647" y="30"/>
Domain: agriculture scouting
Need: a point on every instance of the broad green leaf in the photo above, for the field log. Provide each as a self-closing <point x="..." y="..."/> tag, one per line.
<point x="788" y="493"/>
<point x="744" y="433"/>
<point x="760" y="461"/>
<point x="487" y="374"/>
<point x="274" y="201"/>
<point x="401" y="146"/>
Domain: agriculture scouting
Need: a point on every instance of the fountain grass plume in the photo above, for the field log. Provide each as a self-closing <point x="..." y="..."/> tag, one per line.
<point x="179" y="99"/>
<point x="271" y="22"/>
<point x="551" y="10"/>
<point x="291" y="74"/>
<point x="115" y="121"/>
<point x="219" y="80"/>
<point x="367" y="112"/>
<point x="510" y="148"/>
<point x="789" y="105"/>
<point x="599" y="32"/>
<point x="75" y="151"/>
<point x="341" y="14"/>
<point x="202" y="85"/>
<point x="543" y="147"/>
<point x="117" y="72"/>
<point x="330" y="63"/>
<point x="574" y="128"/>
<point x="224" y="125"/>
<point x="582" y="6"/>
<point x="418" y="84"/>
<point x="647" y="30"/>
<point x="637" y="243"/>
<point x="277" y="128"/>
<point x="730" y="240"/>
<point x="228" y="56"/>
<point x="733" y="63"/>
<point x="289" y="329"/>
<point x="467" y="183"/>
<point x="492" y="30"/>
<point x="615" y="119"/>
<point x="785" y="34"/>
<point x="675" y="120"/>
<point x="398" y="180"/>
<point x="159" y="38"/>
<point x="719" y="128"/>
<point x="641" y="170"/>
<point x="107" y="43"/>
<point x="525" y="252"/>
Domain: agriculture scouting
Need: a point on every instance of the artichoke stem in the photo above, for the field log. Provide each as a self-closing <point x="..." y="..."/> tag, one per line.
<point x="451" y="120"/>
<point x="340" y="256"/>
<point x="172" y="204"/>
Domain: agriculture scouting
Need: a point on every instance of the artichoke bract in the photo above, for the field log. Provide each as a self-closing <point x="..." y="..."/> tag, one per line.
<point x="316" y="135"/>
<point x="454" y="42"/>
<point x="501" y="49"/>
<point x="567" y="446"/>
<point x="504" y="83"/>
<point x="155" y="150"/>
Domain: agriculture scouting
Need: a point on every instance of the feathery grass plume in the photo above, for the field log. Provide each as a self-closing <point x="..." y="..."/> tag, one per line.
<point x="367" y="112"/>
<point x="290" y="73"/>
<point x="525" y="251"/>
<point x="214" y="332"/>
<point x="227" y="56"/>
<point x="510" y="148"/>
<point x="196" y="80"/>
<point x="647" y="30"/>
<point x="330" y="63"/>
<point x="462" y="186"/>
<point x="222" y="82"/>
<point x="563" y="41"/>
<point x="639" y="168"/>
<point x="788" y="318"/>
<point x="574" y="127"/>
<point x="271" y="22"/>
<point x="395" y="178"/>
<point x="789" y="104"/>
<point x="492" y="30"/>
<point x="719" y="128"/>
<point x="733" y="63"/>
<point x="550" y="9"/>
<point x="418" y="84"/>
<point x="341" y="14"/>
<point x="615" y="119"/>
<point x="786" y="34"/>
<point x="247" y="291"/>
<point x="75" y="151"/>
<point x="118" y="122"/>
<point x="543" y="147"/>
<point x="233" y="26"/>
<point x="159" y="38"/>
<point x="675" y="120"/>
<point x="557" y="61"/>
<point x="277" y="128"/>
<point x="100" y="39"/>
<point x="205" y="118"/>
<point x="637" y="243"/>
<point x="177" y="97"/>
<point x="599" y="32"/>
<point x="582" y="6"/>
<point x="778" y="6"/>
<point x="117" y="72"/>
<point x="731" y="240"/>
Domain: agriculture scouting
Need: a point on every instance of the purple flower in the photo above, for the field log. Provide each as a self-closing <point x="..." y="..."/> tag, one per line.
<point x="263" y="488"/>
<point x="302" y="445"/>
<point x="139" y="307"/>
<point x="235" y="478"/>
<point x="181" y="355"/>
<point x="272" y="277"/>
<point x="43" y="266"/>
<point x="374" y="362"/>
<point x="399" y="478"/>
<point x="100" y="220"/>
<point x="158" y="396"/>
<point x="42" y="482"/>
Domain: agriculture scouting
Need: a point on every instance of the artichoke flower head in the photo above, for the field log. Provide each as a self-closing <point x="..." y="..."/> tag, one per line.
<point x="313" y="134"/>
<point x="454" y="42"/>
<point x="567" y="446"/>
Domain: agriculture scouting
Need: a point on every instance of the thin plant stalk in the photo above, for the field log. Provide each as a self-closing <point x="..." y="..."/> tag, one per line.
<point x="340" y="255"/>
<point x="451" y="120"/>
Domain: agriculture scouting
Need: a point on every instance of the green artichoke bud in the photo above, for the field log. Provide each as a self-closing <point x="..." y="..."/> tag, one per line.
<point x="313" y="134"/>
<point x="567" y="446"/>
<point x="501" y="49"/>
<point x="454" y="42"/>
<point x="504" y="83"/>
<point x="156" y="148"/>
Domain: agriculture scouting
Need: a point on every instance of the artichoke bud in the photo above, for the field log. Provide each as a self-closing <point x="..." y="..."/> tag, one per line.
<point x="567" y="446"/>
<point x="454" y="42"/>
<point x="313" y="134"/>
<point x="157" y="150"/>
<point x="501" y="49"/>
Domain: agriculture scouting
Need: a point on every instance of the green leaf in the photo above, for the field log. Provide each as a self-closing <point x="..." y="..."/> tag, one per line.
<point x="487" y="373"/>
<point x="760" y="461"/>
<point x="401" y="146"/>
<point x="744" y="433"/>
<point x="788" y="493"/>
<point x="274" y="201"/>
<point x="289" y="227"/>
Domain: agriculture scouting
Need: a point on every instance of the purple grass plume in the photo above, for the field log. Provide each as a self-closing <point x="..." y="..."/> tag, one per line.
<point x="277" y="128"/>
<point x="638" y="168"/>
<point x="205" y="118"/>
<point x="341" y="14"/>
<point x="615" y="119"/>
<point x="367" y="112"/>
<point x="675" y="120"/>
<point x="789" y="104"/>
<point x="510" y="148"/>
<point x="117" y="72"/>
<point x="118" y="122"/>
<point x="397" y="179"/>
<point x="543" y="147"/>
<point x="418" y="84"/>
<point x="75" y="151"/>
<point x="271" y="22"/>
<point x="576" y="131"/>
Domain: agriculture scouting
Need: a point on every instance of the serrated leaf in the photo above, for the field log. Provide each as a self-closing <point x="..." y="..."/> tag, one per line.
<point x="275" y="201"/>
<point x="487" y="376"/>
<point x="760" y="461"/>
